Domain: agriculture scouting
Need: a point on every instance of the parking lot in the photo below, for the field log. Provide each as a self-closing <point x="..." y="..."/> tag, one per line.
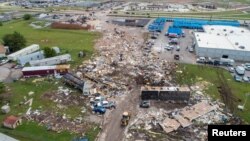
<point x="184" y="42"/>
<point x="185" y="56"/>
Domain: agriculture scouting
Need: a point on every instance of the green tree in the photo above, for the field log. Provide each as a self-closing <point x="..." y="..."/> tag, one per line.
<point x="49" y="52"/>
<point x="27" y="17"/>
<point x="14" y="41"/>
<point x="1" y="24"/>
<point x="2" y="87"/>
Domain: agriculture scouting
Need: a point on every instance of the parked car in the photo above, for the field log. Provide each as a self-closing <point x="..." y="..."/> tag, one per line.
<point x="176" y="57"/>
<point x="216" y="62"/>
<point x="237" y="78"/>
<point x="168" y="47"/>
<point x="145" y="104"/>
<point x="246" y="79"/>
<point x="96" y="100"/>
<point x="99" y="110"/>
<point x="231" y="69"/>
<point x="240" y="70"/>
<point x="109" y="104"/>
<point x="226" y="62"/>
<point x="201" y="60"/>
<point x="191" y="49"/>
<point x="247" y="66"/>
<point x="178" y="48"/>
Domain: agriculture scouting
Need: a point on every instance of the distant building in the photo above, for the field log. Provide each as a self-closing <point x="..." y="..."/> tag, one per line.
<point x="2" y="51"/>
<point x="12" y="122"/>
<point x="30" y="57"/>
<point x="4" y="137"/>
<point x="52" y="61"/>
<point x="25" y="51"/>
<point x="45" y="70"/>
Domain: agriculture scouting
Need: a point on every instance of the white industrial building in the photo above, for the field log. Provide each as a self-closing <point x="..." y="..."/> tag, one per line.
<point x="223" y="42"/>
<point x="52" y="61"/>
<point x="25" y="51"/>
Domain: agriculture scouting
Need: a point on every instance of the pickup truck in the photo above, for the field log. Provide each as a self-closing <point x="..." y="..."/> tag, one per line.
<point x="109" y="104"/>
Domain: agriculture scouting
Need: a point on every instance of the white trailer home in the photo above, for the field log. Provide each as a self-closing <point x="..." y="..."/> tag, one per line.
<point x="52" y="61"/>
<point x="25" y="51"/>
<point x="30" y="57"/>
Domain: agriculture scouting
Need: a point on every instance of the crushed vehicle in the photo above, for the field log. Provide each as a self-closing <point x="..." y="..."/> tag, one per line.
<point x="99" y="110"/>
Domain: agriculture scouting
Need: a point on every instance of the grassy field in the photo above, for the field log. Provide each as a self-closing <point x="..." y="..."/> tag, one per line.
<point x="237" y="15"/>
<point x="30" y="131"/>
<point x="71" y="41"/>
<point x="194" y="74"/>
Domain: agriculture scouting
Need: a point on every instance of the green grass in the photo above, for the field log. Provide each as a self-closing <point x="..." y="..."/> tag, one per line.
<point x="92" y="133"/>
<point x="30" y="131"/>
<point x="192" y="74"/>
<point x="71" y="41"/>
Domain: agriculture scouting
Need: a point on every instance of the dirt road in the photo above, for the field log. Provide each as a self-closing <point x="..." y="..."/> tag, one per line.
<point x="112" y="131"/>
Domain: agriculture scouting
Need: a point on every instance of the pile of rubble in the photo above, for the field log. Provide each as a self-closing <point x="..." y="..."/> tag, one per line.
<point x="122" y="63"/>
<point x="58" y="123"/>
<point x="188" y="122"/>
<point x="54" y="121"/>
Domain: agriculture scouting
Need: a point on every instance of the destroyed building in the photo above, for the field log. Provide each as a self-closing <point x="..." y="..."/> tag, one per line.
<point x="165" y="93"/>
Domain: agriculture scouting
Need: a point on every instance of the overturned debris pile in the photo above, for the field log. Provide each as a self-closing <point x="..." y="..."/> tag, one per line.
<point x="121" y="62"/>
<point x="63" y="98"/>
<point x="189" y="122"/>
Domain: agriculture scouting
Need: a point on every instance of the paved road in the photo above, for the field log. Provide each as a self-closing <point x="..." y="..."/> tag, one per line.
<point x="112" y="131"/>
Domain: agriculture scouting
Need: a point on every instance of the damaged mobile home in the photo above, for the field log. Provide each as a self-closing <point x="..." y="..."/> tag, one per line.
<point x="52" y="61"/>
<point x="28" y="50"/>
<point x="45" y="70"/>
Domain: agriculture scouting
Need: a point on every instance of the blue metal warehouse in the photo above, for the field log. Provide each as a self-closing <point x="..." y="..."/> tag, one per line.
<point x="198" y="23"/>
<point x="174" y="31"/>
<point x="157" y="25"/>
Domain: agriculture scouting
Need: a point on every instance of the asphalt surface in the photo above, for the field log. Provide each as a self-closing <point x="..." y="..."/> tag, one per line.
<point x="185" y="55"/>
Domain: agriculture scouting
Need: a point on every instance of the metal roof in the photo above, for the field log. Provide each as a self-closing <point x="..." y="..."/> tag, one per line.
<point x="224" y="37"/>
<point x="39" y="68"/>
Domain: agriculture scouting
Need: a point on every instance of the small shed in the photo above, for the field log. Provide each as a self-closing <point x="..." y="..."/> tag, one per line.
<point x="56" y="49"/>
<point x="5" y="109"/>
<point x="12" y="122"/>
